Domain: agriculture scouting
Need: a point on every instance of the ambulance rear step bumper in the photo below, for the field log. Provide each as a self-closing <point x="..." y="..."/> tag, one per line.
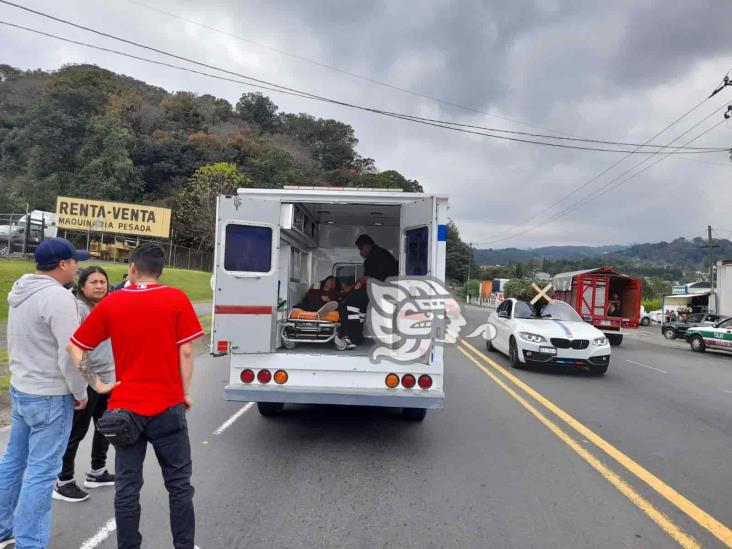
<point x="390" y="398"/>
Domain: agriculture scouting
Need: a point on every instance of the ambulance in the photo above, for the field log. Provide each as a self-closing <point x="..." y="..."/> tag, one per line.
<point x="272" y="246"/>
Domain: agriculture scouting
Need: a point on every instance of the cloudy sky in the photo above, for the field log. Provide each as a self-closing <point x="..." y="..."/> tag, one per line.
<point x="619" y="70"/>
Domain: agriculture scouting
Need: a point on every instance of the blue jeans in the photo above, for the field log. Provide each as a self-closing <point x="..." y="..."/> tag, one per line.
<point x="38" y="438"/>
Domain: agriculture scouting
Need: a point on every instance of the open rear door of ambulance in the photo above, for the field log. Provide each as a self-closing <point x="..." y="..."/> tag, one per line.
<point x="418" y="227"/>
<point x="417" y="252"/>
<point x="245" y="274"/>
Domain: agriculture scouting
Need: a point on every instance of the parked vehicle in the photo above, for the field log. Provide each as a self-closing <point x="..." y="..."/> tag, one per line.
<point x="13" y="236"/>
<point x="656" y="316"/>
<point x="608" y="300"/>
<point x="645" y="318"/>
<point x="712" y="338"/>
<point x="554" y="334"/>
<point x="723" y="290"/>
<point x="678" y="328"/>
<point x="271" y="246"/>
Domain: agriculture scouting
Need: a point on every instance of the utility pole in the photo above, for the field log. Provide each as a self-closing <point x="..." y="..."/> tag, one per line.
<point x="470" y="264"/>
<point x="710" y="247"/>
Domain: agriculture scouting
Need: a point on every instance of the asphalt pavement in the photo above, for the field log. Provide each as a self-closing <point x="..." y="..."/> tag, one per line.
<point x="516" y="459"/>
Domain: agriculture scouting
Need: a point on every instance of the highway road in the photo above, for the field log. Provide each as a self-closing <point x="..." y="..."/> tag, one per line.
<point x="516" y="459"/>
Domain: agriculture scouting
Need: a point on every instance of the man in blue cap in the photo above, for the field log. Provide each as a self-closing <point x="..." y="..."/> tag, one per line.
<point x="45" y="388"/>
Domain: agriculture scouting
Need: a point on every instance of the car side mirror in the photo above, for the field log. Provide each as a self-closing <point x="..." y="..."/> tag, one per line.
<point x="503" y="314"/>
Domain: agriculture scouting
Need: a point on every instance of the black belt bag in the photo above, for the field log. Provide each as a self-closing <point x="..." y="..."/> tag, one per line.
<point x="120" y="427"/>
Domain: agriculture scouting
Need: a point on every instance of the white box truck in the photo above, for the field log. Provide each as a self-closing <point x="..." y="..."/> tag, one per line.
<point x="723" y="288"/>
<point x="271" y="247"/>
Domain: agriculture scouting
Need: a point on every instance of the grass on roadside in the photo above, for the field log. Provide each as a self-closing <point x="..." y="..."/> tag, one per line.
<point x="4" y="373"/>
<point x="194" y="283"/>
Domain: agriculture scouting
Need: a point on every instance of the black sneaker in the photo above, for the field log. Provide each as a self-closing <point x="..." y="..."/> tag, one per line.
<point x="97" y="481"/>
<point x="69" y="492"/>
<point x="7" y="541"/>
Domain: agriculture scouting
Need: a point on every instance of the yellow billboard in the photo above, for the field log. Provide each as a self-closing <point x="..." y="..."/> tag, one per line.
<point x="81" y="214"/>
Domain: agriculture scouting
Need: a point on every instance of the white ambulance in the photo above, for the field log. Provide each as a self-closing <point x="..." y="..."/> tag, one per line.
<point x="274" y="245"/>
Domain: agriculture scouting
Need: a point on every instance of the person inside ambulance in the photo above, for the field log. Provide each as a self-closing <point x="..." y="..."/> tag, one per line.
<point x="378" y="264"/>
<point x="316" y="298"/>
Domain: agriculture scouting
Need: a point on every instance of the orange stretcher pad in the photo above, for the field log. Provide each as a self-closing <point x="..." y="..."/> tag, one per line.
<point x="299" y="314"/>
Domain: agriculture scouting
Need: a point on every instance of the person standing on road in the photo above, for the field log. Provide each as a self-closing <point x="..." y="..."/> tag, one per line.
<point x="151" y="327"/>
<point x="93" y="286"/>
<point x="45" y="388"/>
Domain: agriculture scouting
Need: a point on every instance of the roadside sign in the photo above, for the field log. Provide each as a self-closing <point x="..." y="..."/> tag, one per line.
<point x="112" y="217"/>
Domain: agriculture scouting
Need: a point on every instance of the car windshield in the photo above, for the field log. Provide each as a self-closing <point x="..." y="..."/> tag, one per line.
<point x="523" y="310"/>
<point x="551" y="311"/>
<point x="560" y="311"/>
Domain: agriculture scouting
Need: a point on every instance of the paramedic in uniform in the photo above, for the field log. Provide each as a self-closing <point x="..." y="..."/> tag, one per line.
<point x="379" y="264"/>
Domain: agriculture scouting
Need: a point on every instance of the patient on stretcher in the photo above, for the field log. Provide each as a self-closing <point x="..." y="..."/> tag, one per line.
<point x="319" y="304"/>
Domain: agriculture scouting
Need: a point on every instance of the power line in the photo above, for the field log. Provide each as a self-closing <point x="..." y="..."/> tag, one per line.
<point x="340" y="70"/>
<point x="607" y="187"/>
<point x="604" y="190"/>
<point x="282" y="89"/>
<point x="394" y="87"/>
<point x="598" y="176"/>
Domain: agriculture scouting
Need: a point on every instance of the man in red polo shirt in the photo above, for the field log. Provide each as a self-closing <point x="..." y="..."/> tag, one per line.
<point x="151" y="327"/>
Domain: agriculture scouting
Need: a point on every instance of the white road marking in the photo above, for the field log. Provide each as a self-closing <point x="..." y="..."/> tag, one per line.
<point x="229" y="422"/>
<point x="727" y="391"/>
<point x="646" y="366"/>
<point x="103" y="533"/>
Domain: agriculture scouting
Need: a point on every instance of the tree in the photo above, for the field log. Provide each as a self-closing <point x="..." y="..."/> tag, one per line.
<point x="390" y="179"/>
<point x="458" y="256"/>
<point x="195" y="205"/>
<point x="105" y="169"/>
<point x="259" y="110"/>
<point x="517" y="287"/>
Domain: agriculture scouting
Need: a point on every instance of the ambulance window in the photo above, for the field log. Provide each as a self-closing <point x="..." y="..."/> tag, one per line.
<point x="248" y="248"/>
<point x="348" y="272"/>
<point x="416" y="248"/>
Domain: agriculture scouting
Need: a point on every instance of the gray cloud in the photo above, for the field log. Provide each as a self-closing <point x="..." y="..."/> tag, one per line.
<point x="621" y="70"/>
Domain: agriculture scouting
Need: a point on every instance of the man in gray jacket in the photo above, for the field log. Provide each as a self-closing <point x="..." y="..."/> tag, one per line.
<point x="45" y="388"/>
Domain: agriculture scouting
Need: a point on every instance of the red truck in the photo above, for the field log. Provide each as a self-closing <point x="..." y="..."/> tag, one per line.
<point x="609" y="300"/>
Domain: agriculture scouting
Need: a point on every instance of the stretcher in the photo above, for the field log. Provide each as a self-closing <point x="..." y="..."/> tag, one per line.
<point x="320" y="326"/>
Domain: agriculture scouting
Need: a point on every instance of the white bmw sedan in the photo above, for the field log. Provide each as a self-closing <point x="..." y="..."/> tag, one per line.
<point x="549" y="334"/>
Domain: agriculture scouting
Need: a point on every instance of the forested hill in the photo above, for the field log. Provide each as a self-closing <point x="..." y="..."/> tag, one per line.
<point x="85" y="131"/>
<point x="505" y="256"/>
<point x="674" y="260"/>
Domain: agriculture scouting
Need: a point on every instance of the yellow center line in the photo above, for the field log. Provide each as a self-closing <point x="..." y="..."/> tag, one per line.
<point x="647" y="507"/>
<point x="701" y="517"/>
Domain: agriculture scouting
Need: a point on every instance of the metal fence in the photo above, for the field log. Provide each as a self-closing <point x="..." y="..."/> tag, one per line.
<point x="21" y="233"/>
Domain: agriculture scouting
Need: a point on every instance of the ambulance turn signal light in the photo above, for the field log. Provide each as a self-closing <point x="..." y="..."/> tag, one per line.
<point x="264" y="376"/>
<point x="392" y="380"/>
<point x="425" y="382"/>
<point x="280" y="377"/>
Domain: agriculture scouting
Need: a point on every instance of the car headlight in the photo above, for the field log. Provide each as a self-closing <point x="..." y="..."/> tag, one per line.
<point x="599" y="341"/>
<point x="532" y="338"/>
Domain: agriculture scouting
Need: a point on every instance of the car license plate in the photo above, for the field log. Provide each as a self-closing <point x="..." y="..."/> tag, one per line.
<point x="548" y="350"/>
<point x="606" y="323"/>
